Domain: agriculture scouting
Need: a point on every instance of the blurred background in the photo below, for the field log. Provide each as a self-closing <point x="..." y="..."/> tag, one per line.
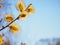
<point x="44" y="23"/>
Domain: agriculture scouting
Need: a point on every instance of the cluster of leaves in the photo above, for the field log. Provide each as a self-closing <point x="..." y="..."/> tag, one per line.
<point x="24" y="13"/>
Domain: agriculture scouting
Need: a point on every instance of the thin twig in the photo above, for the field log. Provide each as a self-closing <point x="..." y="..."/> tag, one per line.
<point x="28" y="6"/>
<point x="15" y="19"/>
<point x="8" y="24"/>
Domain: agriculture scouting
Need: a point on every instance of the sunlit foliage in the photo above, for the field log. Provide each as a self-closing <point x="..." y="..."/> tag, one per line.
<point x="9" y="18"/>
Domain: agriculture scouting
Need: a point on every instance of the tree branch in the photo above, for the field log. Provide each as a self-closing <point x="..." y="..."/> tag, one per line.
<point x="9" y="24"/>
<point x="14" y="20"/>
<point x="28" y="6"/>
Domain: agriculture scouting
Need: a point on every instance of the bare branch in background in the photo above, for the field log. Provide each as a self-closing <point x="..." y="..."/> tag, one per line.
<point x="58" y="43"/>
<point x="23" y="43"/>
<point x="6" y="43"/>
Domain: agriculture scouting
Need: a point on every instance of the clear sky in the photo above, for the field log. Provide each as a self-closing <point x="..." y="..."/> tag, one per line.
<point x="43" y="23"/>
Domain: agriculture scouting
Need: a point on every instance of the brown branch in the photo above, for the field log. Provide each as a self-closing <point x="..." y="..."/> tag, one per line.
<point x="6" y="43"/>
<point x="9" y="24"/>
<point x="28" y="6"/>
<point x="14" y="20"/>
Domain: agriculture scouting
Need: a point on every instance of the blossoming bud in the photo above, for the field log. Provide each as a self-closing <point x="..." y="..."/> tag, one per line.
<point x="1" y="40"/>
<point x="23" y="15"/>
<point x="20" y="6"/>
<point x="14" y="28"/>
<point x="9" y="18"/>
<point x="30" y="9"/>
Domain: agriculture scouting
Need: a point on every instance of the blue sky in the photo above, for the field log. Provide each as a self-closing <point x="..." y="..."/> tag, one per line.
<point x="43" y="23"/>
